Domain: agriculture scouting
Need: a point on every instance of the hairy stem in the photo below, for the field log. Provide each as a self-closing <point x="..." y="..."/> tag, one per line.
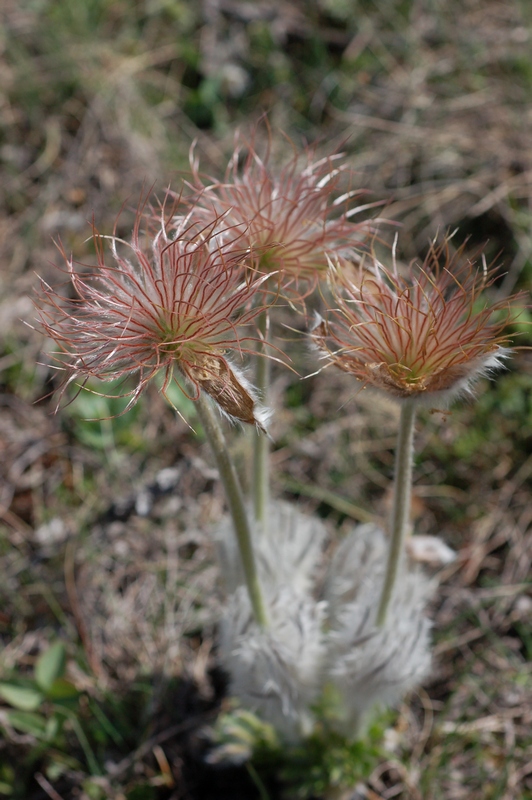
<point x="401" y="504"/>
<point x="261" y="448"/>
<point x="235" y="498"/>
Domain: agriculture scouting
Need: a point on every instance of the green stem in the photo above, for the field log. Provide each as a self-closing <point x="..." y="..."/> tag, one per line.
<point x="261" y="449"/>
<point x="254" y="775"/>
<point x="401" y="504"/>
<point x="235" y="498"/>
<point x="82" y="739"/>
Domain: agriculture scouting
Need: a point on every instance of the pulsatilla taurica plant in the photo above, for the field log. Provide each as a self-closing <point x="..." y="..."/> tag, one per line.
<point x="292" y="218"/>
<point x="421" y="334"/>
<point x="189" y="296"/>
<point x="180" y="304"/>
<point x="424" y="336"/>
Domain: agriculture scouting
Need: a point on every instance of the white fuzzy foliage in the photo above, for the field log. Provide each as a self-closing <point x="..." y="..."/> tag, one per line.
<point x="286" y="556"/>
<point x="275" y="671"/>
<point x="357" y="568"/>
<point x="368" y="665"/>
<point x="331" y="645"/>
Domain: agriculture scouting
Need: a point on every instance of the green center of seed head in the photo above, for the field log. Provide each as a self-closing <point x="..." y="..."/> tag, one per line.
<point x="269" y="258"/>
<point x="173" y="340"/>
<point x="405" y="374"/>
<point x="169" y="345"/>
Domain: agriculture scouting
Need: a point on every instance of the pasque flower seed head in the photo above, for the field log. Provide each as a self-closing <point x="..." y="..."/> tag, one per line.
<point x="418" y="336"/>
<point x="173" y="303"/>
<point x="290" y="217"/>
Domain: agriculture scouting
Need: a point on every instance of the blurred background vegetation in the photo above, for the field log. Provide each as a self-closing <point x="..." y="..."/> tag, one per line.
<point x="107" y="605"/>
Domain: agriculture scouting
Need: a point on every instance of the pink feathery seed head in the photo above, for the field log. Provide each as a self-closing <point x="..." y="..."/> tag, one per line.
<point x="418" y="336"/>
<point x="172" y="303"/>
<point x="291" y="216"/>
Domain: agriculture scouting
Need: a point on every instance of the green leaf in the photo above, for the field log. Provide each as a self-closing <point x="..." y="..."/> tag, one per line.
<point x="7" y="774"/>
<point x="142" y="792"/>
<point x="28" y="722"/>
<point x="50" y="666"/>
<point x="53" y="726"/>
<point x="61" y="690"/>
<point x="22" y="697"/>
<point x="55" y="770"/>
